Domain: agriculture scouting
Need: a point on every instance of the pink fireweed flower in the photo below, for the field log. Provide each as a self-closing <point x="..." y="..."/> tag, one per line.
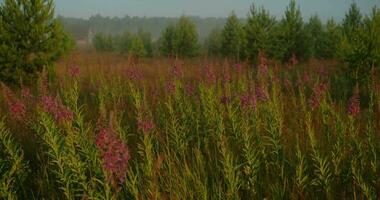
<point x="239" y="68"/>
<point x="17" y="110"/>
<point x="134" y="74"/>
<point x="225" y="100"/>
<point x="354" y="103"/>
<point x="56" y="109"/>
<point x="170" y="86"/>
<point x="262" y="93"/>
<point x="210" y="76"/>
<point x="263" y="65"/>
<point x="145" y="125"/>
<point x="226" y="75"/>
<point x="74" y="71"/>
<point x="114" y="154"/>
<point x="318" y="91"/>
<point x="25" y="93"/>
<point x="244" y="100"/>
<point x="176" y="71"/>
<point x="248" y="101"/>
<point x="293" y="60"/>
<point x="288" y="84"/>
<point x="189" y="89"/>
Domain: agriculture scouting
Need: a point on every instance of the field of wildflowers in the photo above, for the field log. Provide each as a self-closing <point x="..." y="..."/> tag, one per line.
<point x="105" y="128"/>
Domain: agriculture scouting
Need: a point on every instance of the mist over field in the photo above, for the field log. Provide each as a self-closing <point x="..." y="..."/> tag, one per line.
<point x="203" y="8"/>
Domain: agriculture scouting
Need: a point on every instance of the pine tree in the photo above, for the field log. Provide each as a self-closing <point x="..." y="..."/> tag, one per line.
<point x="31" y="39"/>
<point x="360" y="44"/>
<point x="352" y="21"/>
<point x="258" y="29"/>
<point x="233" y="38"/>
<point x="105" y="43"/>
<point x="332" y="39"/>
<point x="137" y="48"/>
<point x="292" y="35"/>
<point x="167" y="41"/>
<point x="317" y="35"/>
<point x="212" y="43"/>
<point x="185" y="38"/>
<point x="146" y="38"/>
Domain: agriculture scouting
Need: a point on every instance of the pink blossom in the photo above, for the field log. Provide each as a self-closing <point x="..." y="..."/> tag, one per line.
<point x="239" y="68"/>
<point x="170" y="86"/>
<point x="210" y="76"/>
<point x="224" y="100"/>
<point x="293" y="60"/>
<point x="318" y="91"/>
<point x="248" y="101"/>
<point x="17" y="110"/>
<point x="114" y="154"/>
<point x="25" y="93"/>
<point x="176" y="71"/>
<point x="56" y="109"/>
<point x="74" y="71"/>
<point x="134" y="74"/>
<point x="145" y="125"/>
<point x="354" y="103"/>
<point x="262" y="93"/>
<point x="189" y="89"/>
<point x="16" y="107"/>
<point x="263" y="65"/>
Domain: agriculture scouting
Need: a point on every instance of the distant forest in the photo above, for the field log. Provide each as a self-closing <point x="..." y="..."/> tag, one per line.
<point x="79" y="28"/>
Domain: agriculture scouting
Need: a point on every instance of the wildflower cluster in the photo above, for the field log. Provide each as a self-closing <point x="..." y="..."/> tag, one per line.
<point x="114" y="154"/>
<point x="56" y="109"/>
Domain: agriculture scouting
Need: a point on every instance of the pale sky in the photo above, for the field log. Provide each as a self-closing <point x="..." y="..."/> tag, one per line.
<point x="203" y="8"/>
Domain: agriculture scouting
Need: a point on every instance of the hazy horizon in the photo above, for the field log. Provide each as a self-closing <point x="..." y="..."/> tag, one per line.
<point x="203" y="8"/>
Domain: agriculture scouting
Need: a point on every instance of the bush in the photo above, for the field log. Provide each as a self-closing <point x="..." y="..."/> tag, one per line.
<point x="105" y="43"/>
<point x="233" y="38"/>
<point x="360" y="44"/>
<point x="30" y="39"/>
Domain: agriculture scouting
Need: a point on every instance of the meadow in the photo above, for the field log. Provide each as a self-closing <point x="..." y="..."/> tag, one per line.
<point x="109" y="127"/>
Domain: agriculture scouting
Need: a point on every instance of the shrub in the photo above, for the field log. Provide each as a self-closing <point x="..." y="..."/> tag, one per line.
<point x="31" y="39"/>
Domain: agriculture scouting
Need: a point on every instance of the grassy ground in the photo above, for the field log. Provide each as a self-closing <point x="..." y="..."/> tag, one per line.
<point x="112" y="128"/>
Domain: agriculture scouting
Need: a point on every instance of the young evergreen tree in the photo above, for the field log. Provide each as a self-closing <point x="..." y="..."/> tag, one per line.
<point x="137" y="48"/>
<point x="292" y="38"/>
<point x="146" y="39"/>
<point x="258" y="30"/>
<point x="185" y="38"/>
<point x="353" y="21"/>
<point x="212" y="44"/>
<point x="105" y="43"/>
<point x="360" y="43"/>
<point x="317" y="35"/>
<point x="30" y="39"/>
<point x="233" y="38"/>
<point x="123" y="43"/>
<point x="167" y="41"/>
<point x="332" y="39"/>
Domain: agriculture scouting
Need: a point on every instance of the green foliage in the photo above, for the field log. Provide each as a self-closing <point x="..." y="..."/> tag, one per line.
<point x="167" y="41"/>
<point x="105" y="42"/>
<point x="212" y="44"/>
<point x="258" y="31"/>
<point x="137" y="48"/>
<point x="186" y="38"/>
<point x="13" y="167"/>
<point x="359" y="47"/>
<point x="291" y="37"/>
<point x="233" y="38"/>
<point x="180" y="40"/>
<point x="146" y="38"/>
<point x="31" y="39"/>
